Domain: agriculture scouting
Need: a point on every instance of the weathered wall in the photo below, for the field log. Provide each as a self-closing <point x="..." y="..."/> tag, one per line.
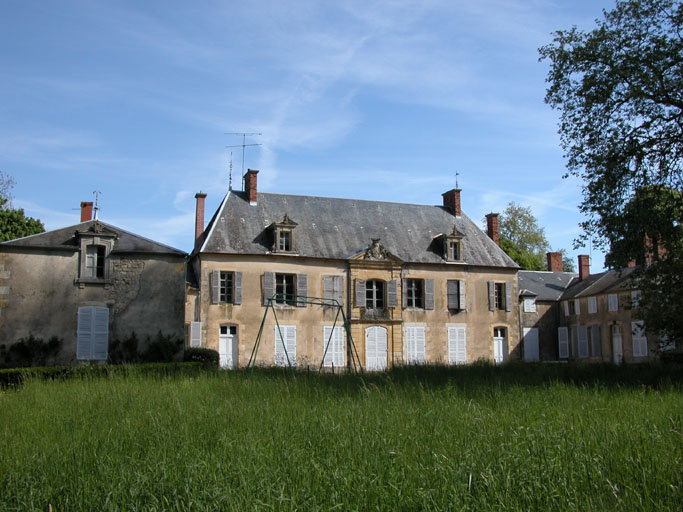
<point x="145" y="294"/>
<point x="546" y="319"/>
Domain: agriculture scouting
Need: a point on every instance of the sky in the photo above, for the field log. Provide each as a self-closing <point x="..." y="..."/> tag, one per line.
<point x="383" y="100"/>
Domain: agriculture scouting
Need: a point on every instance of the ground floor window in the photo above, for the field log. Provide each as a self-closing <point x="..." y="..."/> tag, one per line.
<point x="415" y="345"/>
<point x="285" y="345"/>
<point x="457" y="345"/>
<point x="92" y="335"/>
<point x="499" y="344"/>
<point x="334" y="346"/>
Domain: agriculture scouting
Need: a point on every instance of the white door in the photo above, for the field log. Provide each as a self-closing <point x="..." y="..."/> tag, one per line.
<point x="500" y="344"/>
<point x="376" y="348"/>
<point x="227" y="346"/>
<point x="531" y="343"/>
<point x="617" y="347"/>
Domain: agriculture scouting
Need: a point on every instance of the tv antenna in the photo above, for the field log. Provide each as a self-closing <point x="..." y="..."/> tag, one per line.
<point x="456" y="179"/>
<point x="230" y="175"/>
<point x="97" y="201"/>
<point x="244" y="143"/>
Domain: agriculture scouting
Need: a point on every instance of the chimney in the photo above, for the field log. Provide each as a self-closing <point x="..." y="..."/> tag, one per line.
<point x="451" y="199"/>
<point x="199" y="216"/>
<point x="250" y="185"/>
<point x="492" y="227"/>
<point x="86" y="211"/>
<point x="554" y="261"/>
<point x="584" y="266"/>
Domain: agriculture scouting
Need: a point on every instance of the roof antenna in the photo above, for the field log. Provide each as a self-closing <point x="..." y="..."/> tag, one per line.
<point x="456" y="179"/>
<point x="244" y="143"/>
<point x="97" y="202"/>
<point x="230" y="176"/>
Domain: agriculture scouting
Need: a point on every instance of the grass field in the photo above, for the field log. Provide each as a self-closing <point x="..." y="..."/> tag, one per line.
<point x="414" y="439"/>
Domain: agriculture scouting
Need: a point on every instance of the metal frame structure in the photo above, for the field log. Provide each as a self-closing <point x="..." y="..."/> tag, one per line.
<point x="353" y="359"/>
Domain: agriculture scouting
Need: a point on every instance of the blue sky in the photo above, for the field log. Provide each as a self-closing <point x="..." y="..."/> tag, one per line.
<point x="378" y="100"/>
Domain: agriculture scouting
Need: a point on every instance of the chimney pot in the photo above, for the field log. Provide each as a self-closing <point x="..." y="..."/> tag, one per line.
<point x="199" y="217"/>
<point x="86" y="211"/>
<point x="584" y="266"/>
<point x="554" y="261"/>
<point x="451" y="199"/>
<point x="492" y="227"/>
<point x="250" y="185"/>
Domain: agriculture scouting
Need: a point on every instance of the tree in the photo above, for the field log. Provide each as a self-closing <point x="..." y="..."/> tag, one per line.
<point x="619" y="89"/>
<point x="567" y="263"/>
<point x="13" y="222"/>
<point x="522" y="238"/>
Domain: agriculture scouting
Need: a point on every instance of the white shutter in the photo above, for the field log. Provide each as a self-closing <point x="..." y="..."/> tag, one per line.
<point x="639" y="339"/>
<point x="335" y="350"/>
<point x="328" y="289"/>
<point x="462" y="302"/>
<point x="530" y="340"/>
<point x="583" y="341"/>
<point x="457" y="345"/>
<point x="592" y="305"/>
<point x="100" y="339"/>
<point x="237" y="298"/>
<point x="613" y="302"/>
<point x="562" y="342"/>
<point x="566" y="307"/>
<point x="415" y="345"/>
<point x="577" y="306"/>
<point x="301" y="290"/>
<point x="84" y="332"/>
<point x="195" y="334"/>
<point x="285" y="353"/>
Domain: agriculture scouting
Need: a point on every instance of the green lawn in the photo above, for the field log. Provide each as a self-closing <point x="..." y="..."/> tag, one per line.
<point x="433" y="439"/>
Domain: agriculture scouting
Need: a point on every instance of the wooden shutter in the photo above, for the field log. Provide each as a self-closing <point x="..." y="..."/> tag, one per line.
<point x="215" y="278"/>
<point x="492" y="296"/>
<point x="596" y="341"/>
<point x="360" y="293"/>
<point x="562" y="342"/>
<point x="577" y="306"/>
<point x="301" y="290"/>
<point x="328" y="289"/>
<point x="452" y="294"/>
<point x="639" y="340"/>
<point x="287" y="350"/>
<point x="583" y="341"/>
<point x="195" y="334"/>
<point x="592" y="305"/>
<point x="84" y="332"/>
<point x="566" y="307"/>
<point x="100" y="340"/>
<point x="404" y="293"/>
<point x="457" y="345"/>
<point x="338" y="289"/>
<point x="462" y="298"/>
<point x="268" y="286"/>
<point x="335" y="351"/>
<point x="237" y="296"/>
<point x="420" y="356"/>
<point x="508" y="296"/>
<point x="392" y="294"/>
<point x="429" y="293"/>
<point x="613" y="302"/>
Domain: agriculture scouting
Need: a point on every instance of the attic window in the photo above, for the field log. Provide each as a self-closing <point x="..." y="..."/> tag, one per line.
<point x="284" y="235"/>
<point x="96" y="244"/>
<point x="452" y="246"/>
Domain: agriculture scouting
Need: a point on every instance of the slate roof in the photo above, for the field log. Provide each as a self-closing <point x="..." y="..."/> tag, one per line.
<point x="610" y="281"/>
<point x="546" y="286"/>
<point x="65" y="239"/>
<point x="340" y="228"/>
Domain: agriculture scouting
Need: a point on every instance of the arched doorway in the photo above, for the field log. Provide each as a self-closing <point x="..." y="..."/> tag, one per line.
<point x="500" y="344"/>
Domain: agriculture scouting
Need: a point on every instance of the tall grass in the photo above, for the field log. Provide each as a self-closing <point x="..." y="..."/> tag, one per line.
<point x="426" y="439"/>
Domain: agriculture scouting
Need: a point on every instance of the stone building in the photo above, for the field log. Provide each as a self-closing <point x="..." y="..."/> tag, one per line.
<point x="418" y="283"/>
<point x="88" y="284"/>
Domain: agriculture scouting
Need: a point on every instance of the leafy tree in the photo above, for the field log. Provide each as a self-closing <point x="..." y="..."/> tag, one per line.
<point x="567" y="263"/>
<point x="522" y="238"/>
<point x="619" y="88"/>
<point x="13" y="222"/>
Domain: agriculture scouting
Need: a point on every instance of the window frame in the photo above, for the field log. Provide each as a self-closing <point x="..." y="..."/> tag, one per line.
<point x="102" y="260"/>
<point x="613" y="302"/>
<point x="414" y="293"/>
<point x="529" y="304"/>
<point x="226" y="291"/>
<point x="375" y="294"/>
<point x="284" y="298"/>
<point x="499" y="296"/>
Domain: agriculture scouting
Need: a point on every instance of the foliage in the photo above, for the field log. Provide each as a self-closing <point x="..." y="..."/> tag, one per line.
<point x="30" y="351"/>
<point x="13" y="222"/>
<point x="475" y="438"/>
<point x="201" y="355"/>
<point x="522" y="238"/>
<point x="162" y="349"/>
<point x="619" y="88"/>
<point x="568" y="264"/>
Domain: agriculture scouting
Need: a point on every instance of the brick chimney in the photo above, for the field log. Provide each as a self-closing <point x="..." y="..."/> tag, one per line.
<point x="250" y="185"/>
<point x="554" y="261"/>
<point x="86" y="211"/>
<point x="584" y="266"/>
<point x="451" y="199"/>
<point x="492" y="227"/>
<point x="199" y="216"/>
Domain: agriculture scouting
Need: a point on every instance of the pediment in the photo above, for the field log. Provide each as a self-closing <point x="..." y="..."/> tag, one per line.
<point x="375" y="252"/>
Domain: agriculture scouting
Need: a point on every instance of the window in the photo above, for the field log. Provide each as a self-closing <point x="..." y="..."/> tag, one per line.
<point x="415" y="345"/>
<point x="285" y="292"/>
<point x="596" y="341"/>
<point x="499" y="344"/>
<point x="529" y="305"/>
<point x="635" y="299"/>
<point x="613" y="302"/>
<point x="572" y="307"/>
<point x="583" y="341"/>
<point x="499" y="295"/>
<point x="94" y="261"/>
<point x="413" y="293"/>
<point x="452" y="246"/>
<point x="577" y="306"/>
<point x="95" y="243"/>
<point x="639" y="339"/>
<point x="92" y="335"/>
<point x="453" y="251"/>
<point x="283" y="239"/>
<point x="563" y="342"/>
<point x="592" y="305"/>
<point x="195" y="334"/>
<point x="226" y="287"/>
<point x="457" y="345"/>
<point x="333" y="341"/>
<point x="333" y="290"/>
<point x="455" y="290"/>
<point x="374" y="294"/>
<point x="285" y="345"/>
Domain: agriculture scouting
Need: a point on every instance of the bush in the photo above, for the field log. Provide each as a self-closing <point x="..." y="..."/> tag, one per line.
<point x="161" y="349"/>
<point x="30" y="351"/>
<point x="201" y="355"/>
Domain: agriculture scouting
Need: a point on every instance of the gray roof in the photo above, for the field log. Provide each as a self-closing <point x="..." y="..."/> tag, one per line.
<point x="546" y="286"/>
<point x="65" y="239"/>
<point x="610" y="281"/>
<point x="340" y="228"/>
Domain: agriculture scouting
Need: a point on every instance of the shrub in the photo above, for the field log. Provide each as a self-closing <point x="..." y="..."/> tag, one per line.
<point x="30" y="351"/>
<point x="162" y="349"/>
<point x="201" y="355"/>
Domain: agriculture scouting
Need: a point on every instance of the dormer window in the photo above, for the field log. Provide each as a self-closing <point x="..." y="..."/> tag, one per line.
<point x="96" y="243"/>
<point x="284" y="235"/>
<point x="94" y="261"/>
<point x="452" y="245"/>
